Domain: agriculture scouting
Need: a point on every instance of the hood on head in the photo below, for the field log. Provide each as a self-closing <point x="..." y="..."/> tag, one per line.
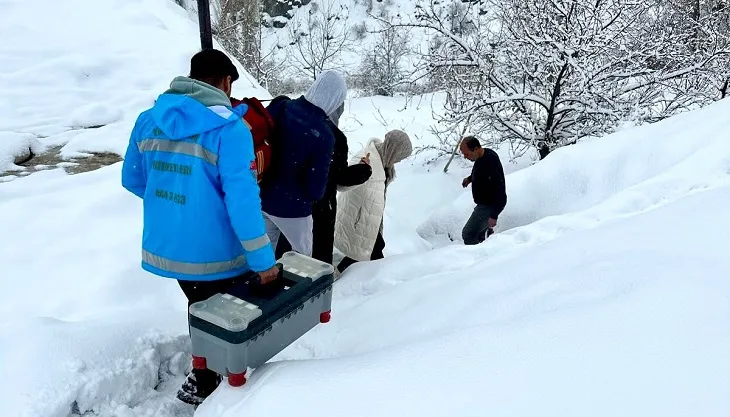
<point x="328" y="92"/>
<point x="191" y="107"/>
<point x="396" y="147"/>
<point x="335" y="116"/>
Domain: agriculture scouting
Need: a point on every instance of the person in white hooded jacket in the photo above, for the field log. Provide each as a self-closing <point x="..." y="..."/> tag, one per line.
<point x="360" y="209"/>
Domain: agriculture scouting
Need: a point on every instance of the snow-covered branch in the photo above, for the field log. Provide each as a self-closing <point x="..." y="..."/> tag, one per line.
<point x="548" y="73"/>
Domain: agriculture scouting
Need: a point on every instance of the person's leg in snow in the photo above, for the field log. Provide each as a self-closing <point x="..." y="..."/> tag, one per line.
<point x="378" y="248"/>
<point x="323" y="230"/>
<point x="323" y="233"/>
<point x="377" y="253"/>
<point x="199" y="384"/>
<point x="298" y="232"/>
<point x="272" y="231"/>
<point x="477" y="229"/>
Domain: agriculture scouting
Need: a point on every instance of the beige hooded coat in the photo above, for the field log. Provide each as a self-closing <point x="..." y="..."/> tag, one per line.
<point x="360" y="209"/>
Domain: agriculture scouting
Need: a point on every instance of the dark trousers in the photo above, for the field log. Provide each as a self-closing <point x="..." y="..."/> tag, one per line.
<point x="202" y="290"/>
<point x="323" y="232"/>
<point x="477" y="230"/>
<point x="376" y="254"/>
<point x="198" y="291"/>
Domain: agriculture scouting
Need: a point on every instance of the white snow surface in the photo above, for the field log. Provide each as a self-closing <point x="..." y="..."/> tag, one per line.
<point x="77" y="72"/>
<point x="14" y="145"/>
<point x="615" y="302"/>
<point x="604" y="292"/>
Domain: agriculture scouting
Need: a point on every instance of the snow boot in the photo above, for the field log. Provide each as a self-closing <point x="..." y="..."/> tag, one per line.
<point x="198" y="385"/>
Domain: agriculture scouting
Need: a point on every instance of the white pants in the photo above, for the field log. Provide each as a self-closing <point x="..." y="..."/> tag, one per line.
<point x="298" y="231"/>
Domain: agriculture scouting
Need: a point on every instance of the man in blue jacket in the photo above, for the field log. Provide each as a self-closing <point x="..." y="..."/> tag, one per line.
<point x="297" y="176"/>
<point x="191" y="159"/>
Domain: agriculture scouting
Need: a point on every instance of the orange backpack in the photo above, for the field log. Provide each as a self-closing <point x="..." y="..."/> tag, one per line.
<point x="261" y="125"/>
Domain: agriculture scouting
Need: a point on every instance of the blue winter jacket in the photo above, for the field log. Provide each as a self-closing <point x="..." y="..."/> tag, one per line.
<point x="298" y="174"/>
<point x="190" y="159"/>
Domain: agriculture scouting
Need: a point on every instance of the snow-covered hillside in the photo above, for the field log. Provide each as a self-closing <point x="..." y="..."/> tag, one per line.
<point x="605" y="292"/>
<point x="81" y="80"/>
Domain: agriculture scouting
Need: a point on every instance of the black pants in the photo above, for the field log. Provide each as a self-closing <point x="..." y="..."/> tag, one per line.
<point x="198" y="291"/>
<point x="377" y="253"/>
<point x="323" y="232"/>
<point x="477" y="229"/>
<point x="202" y="290"/>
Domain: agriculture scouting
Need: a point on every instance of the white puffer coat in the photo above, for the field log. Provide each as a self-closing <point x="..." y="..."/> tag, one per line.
<point x="360" y="209"/>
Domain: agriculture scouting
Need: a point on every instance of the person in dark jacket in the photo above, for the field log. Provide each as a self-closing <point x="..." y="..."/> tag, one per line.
<point x="297" y="177"/>
<point x="324" y="211"/>
<point x="488" y="190"/>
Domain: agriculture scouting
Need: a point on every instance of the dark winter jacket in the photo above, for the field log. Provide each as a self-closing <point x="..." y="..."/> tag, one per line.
<point x="487" y="183"/>
<point x="300" y="164"/>
<point x="325" y="210"/>
<point x="340" y="172"/>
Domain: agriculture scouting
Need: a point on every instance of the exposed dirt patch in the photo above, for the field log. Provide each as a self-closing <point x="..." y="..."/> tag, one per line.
<point x="51" y="159"/>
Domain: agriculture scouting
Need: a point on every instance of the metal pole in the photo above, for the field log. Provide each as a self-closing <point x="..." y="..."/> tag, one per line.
<point x="206" y="33"/>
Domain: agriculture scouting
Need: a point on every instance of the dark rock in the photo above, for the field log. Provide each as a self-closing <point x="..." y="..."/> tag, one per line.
<point x="24" y="156"/>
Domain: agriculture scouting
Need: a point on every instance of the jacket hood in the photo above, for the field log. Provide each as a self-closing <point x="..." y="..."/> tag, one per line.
<point x="191" y="107"/>
<point x="328" y="92"/>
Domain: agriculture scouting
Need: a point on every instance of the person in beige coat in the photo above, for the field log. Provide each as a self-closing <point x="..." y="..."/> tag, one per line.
<point x="359" y="220"/>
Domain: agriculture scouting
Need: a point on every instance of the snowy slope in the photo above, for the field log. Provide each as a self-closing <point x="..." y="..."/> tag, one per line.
<point x="81" y="80"/>
<point x="604" y="293"/>
<point x="618" y="309"/>
<point x="77" y="73"/>
<point x="618" y="316"/>
<point x="579" y="326"/>
<point x="630" y="171"/>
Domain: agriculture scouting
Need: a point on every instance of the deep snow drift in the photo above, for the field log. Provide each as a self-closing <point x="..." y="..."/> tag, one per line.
<point x="629" y="319"/>
<point x="605" y="292"/>
<point x="618" y="309"/>
<point x="615" y="304"/>
<point x="77" y="72"/>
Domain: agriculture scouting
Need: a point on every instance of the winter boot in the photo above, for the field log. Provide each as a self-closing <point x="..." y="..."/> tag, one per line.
<point x="198" y="386"/>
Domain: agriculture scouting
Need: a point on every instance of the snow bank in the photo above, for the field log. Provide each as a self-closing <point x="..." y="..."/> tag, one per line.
<point x="94" y="115"/>
<point x="15" y="147"/>
<point x="116" y="366"/>
<point x="83" y="323"/>
<point x="623" y="173"/>
<point x="72" y="65"/>
<point x="625" y="315"/>
<point x="579" y="326"/>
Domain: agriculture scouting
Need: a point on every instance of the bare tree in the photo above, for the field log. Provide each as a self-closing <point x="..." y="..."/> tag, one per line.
<point x="321" y="38"/>
<point x="382" y="69"/>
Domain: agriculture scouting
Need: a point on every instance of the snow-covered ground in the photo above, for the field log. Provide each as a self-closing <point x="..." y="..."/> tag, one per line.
<point x="77" y="72"/>
<point x="605" y="291"/>
<point x="628" y="319"/>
